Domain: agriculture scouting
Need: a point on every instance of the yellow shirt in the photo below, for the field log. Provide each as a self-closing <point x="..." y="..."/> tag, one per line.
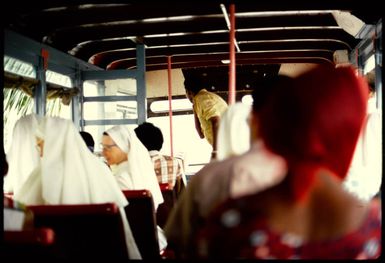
<point x="207" y="105"/>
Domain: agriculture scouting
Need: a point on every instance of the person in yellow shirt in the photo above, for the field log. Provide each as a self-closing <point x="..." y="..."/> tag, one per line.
<point x="208" y="108"/>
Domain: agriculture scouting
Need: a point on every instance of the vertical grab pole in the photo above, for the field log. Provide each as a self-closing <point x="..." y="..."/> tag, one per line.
<point x="232" y="67"/>
<point x="40" y="93"/>
<point x="169" y="102"/>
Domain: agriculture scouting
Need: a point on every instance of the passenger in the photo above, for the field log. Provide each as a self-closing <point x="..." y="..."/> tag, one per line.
<point x="208" y="108"/>
<point x="234" y="131"/>
<point x="235" y="176"/>
<point x="132" y="166"/>
<point x="23" y="149"/>
<point x="314" y="123"/>
<point x="67" y="172"/>
<point x="167" y="169"/>
<point x="130" y="162"/>
<point x="365" y="174"/>
<point x="87" y="137"/>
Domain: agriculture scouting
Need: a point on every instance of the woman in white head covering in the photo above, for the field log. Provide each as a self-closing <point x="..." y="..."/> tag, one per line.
<point x="67" y="172"/>
<point x="23" y="149"/>
<point x="130" y="162"/>
<point x="234" y="131"/>
<point x="132" y="166"/>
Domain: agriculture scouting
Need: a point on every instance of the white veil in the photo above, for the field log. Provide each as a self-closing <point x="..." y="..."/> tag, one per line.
<point x="23" y="156"/>
<point x="69" y="173"/>
<point x="140" y="167"/>
<point x="234" y="131"/>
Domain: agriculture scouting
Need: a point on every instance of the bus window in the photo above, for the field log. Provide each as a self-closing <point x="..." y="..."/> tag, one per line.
<point x="186" y="142"/>
<point x="19" y="83"/>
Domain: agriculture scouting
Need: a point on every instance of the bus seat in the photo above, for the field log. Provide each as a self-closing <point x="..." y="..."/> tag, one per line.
<point x="8" y="195"/>
<point x="140" y="214"/>
<point x="164" y="209"/>
<point x="28" y="244"/>
<point x="86" y="231"/>
<point x="179" y="187"/>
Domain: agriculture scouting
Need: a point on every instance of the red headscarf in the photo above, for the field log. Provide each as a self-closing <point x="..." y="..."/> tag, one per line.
<point x="314" y="122"/>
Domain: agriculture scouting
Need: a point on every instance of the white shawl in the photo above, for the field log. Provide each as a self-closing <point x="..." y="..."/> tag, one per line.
<point x="23" y="156"/>
<point x="140" y="169"/>
<point x="70" y="174"/>
<point x="234" y="131"/>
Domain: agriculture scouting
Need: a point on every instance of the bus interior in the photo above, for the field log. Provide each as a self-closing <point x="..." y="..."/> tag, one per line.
<point x="104" y="63"/>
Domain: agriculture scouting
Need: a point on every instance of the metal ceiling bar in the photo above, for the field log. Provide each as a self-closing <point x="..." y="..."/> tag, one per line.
<point x="223" y="8"/>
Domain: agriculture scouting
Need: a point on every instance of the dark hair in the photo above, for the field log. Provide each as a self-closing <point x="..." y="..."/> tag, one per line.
<point x="87" y="137"/>
<point x="193" y="84"/>
<point x="150" y="135"/>
<point x="264" y="89"/>
<point x="370" y="77"/>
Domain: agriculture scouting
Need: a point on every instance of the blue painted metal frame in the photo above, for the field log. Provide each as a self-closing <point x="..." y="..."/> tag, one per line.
<point x="371" y="45"/>
<point x="40" y="93"/>
<point x="140" y="98"/>
<point x="378" y="63"/>
<point x="29" y="51"/>
<point x="109" y="98"/>
<point x="141" y="82"/>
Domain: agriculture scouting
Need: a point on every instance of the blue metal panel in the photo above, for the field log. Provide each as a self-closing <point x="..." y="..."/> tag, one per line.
<point x="30" y="49"/>
<point x="109" y="98"/>
<point x="101" y="91"/>
<point x="76" y="101"/>
<point x="40" y="96"/>
<point x="110" y="74"/>
<point x="110" y="122"/>
<point x="378" y="63"/>
<point x="13" y="52"/>
<point x="141" y="83"/>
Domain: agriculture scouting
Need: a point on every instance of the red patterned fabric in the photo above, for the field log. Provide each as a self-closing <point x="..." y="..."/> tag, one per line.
<point x="236" y="232"/>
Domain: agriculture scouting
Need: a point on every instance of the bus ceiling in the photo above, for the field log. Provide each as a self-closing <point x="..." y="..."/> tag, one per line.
<point x="195" y="34"/>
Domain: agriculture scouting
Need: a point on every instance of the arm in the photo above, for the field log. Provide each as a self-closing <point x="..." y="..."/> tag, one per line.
<point x="215" y="126"/>
<point x="181" y="224"/>
<point x="198" y="126"/>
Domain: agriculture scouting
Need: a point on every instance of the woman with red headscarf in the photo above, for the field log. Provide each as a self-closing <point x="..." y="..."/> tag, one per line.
<point x="313" y="122"/>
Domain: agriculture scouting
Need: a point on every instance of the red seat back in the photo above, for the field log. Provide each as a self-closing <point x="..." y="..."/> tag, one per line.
<point x="89" y="231"/>
<point x="140" y="214"/>
<point x="164" y="209"/>
<point x="28" y="244"/>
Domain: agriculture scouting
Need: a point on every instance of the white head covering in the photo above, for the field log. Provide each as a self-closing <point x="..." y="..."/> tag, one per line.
<point x="69" y="172"/>
<point x="234" y="131"/>
<point x="140" y="167"/>
<point x="23" y="156"/>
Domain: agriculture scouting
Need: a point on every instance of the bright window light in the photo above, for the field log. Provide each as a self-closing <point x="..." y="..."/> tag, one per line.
<point x="369" y="65"/>
<point x="177" y="105"/>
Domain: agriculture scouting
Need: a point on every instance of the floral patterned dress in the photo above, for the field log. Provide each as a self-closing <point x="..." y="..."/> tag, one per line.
<point x="236" y="232"/>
